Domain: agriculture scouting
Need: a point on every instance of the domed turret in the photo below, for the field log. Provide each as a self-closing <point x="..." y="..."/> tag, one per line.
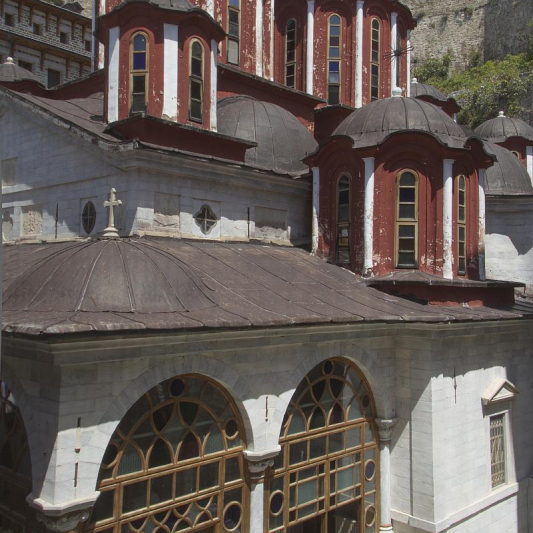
<point x="282" y="141"/>
<point x="13" y="73"/>
<point x="422" y="89"/>
<point x="502" y="128"/>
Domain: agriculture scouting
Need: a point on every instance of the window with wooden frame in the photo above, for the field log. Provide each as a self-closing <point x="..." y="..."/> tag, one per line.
<point x="334" y="59"/>
<point x="138" y="73"/>
<point x="343" y="219"/>
<point x="326" y="476"/>
<point x="234" y="31"/>
<point x="175" y="463"/>
<point x="375" y="59"/>
<point x="15" y="465"/>
<point x="407" y="219"/>
<point x="290" y="53"/>
<point x="196" y="81"/>
<point x="461" y="225"/>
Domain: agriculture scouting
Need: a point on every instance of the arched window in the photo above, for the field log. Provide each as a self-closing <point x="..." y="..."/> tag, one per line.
<point x="15" y="465"/>
<point x="375" y="47"/>
<point x="196" y="81"/>
<point x="461" y="225"/>
<point x="327" y="470"/>
<point x="174" y="463"/>
<point x="407" y="220"/>
<point x="234" y="31"/>
<point x="334" y="60"/>
<point x="290" y="54"/>
<point x="138" y="73"/>
<point x="343" y="220"/>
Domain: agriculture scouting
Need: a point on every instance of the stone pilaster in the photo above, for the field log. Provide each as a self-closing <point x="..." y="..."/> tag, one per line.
<point x="385" y="428"/>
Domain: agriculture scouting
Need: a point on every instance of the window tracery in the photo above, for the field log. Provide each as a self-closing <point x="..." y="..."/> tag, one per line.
<point x="328" y="465"/>
<point x="174" y="463"/>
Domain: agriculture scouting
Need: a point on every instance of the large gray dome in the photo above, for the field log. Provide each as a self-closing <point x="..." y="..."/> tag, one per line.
<point x="501" y="128"/>
<point x="13" y="73"/>
<point x="282" y="141"/>
<point x="422" y="89"/>
<point x="508" y="176"/>
<point x="374" y="123"/>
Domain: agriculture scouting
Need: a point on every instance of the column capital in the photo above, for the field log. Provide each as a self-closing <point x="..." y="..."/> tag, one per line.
<point x="63" y="524"/>
<point x="258" y="462"/>
<point x="448" y="161"/>
<point x="385" y="427"/>
<point x="360" y="3"/>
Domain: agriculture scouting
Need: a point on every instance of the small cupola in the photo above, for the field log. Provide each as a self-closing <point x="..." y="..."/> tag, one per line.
<point x="11" y="74"/>
<point x="161" y="61"/>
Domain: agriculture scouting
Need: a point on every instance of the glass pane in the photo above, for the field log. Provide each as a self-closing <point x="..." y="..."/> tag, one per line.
<point x="318" y="447"/>
<point x="334" y="41"/>
<point x="139" y="61"/>
<point x="334" y="66"/>
<point x="160" y="454"/>
<point x="462" y="214"/>
<point x="233" y="52"/>
<point x="334" y="20"/>
<point x="334" y="30"/>
<point x="462" y="233"/>
<point x="336" y="442"/>
<point x="406" y="231"/>
<point x="130" y="462"/>
<point x="333" y="94"/>
<point x="134" y="497"/>
<point x="161" y="489"/>
<point x="196" y="67"/>
<point x="297" y="424"/>
<point x="333" y="77"/>
<point x="407" y="195"/>
<point x="139" y="43"/>
<point x="196" y="90"/>
<point x="104" y="506"/>
<point x="408" y="179"/>
<point x="197" y="50"/>
<point x="406" y="245"/>
<point x="196" y="112"/>
<point x="406" y="259"/>
<point x="298" y="452"/>
<point x="407" y="211"/>
<point x="307" y="492"/>
<point x="345" y="479"/>
<point x="209" y="476"/>
<point x="462" y="265"/>
<point x="186" y="482"/>
<point x="233" y="469"/>
<point x="139" y="86"/>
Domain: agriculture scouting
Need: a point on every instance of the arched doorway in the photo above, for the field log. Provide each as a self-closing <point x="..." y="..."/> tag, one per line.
<point x="15" y="466"/>
<point x="325" y="479"/>
<point x="175" y="464"/>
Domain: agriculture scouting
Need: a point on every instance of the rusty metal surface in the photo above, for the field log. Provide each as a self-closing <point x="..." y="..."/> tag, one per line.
<point x="500" y="129"/>
<point x="374" y="123"/>
<point x="508" y="176"/>
<point x="168" y="284"/>
<point x="282" y="141"/>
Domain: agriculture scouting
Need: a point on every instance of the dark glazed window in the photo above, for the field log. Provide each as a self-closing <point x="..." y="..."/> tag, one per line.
<point x="139" y="73"/>
<point x="63" y="39"/>
<point x="407" y="220"/>
<point x="205" y="219"/>
<point x="88" y="217"/>
<point x="36" y="29"/>
<point x="26" y="65"/>
<point x="234" y="31"/>
<point x="54" y="77"/>
<point x="461" y="225"/>
<point x="374" y="60"/>
<point x="343" y="220"/>
<point x="334" y="60"/>
<point x="8" y="19"/>
<point x="196" y="83"/>
<point x="290" y="54"/>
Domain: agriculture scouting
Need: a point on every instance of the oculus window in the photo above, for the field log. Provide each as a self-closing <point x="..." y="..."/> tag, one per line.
<point x="88" y="217"/>
<point x="205" y="219"/>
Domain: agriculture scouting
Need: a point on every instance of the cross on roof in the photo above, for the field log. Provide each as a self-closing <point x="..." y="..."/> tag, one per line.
<point x="111" y="232"/>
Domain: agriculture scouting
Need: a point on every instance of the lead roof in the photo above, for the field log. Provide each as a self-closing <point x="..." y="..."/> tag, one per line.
<point x="502" y="128"/>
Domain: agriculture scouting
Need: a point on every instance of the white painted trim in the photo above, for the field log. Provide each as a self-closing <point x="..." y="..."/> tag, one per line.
<point x="170" y="72"/>
<point x="368" y="218"/>
<point x="447" y="222"/>
<point x="112" y="81"/>
<point x="394" y="44"/>
<point x="359" y="54"/>
<point x="210" y="7"/>
<point x="481" y="229"/>
<point x="409" y="43"/>
<point x="316" y="209"/>
<point x="214" y="86"/>
<point x="310" y="65"/>
<point x="263" y="455"/>
<point x="529" y="160"/>
<point x="259" y="37"/>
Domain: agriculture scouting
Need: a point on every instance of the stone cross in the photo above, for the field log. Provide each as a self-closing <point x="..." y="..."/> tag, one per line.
<point x="111" y="232"/>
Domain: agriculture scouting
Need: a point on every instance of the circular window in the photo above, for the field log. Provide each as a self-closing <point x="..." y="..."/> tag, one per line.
<point x="370" y="470"/>
<point x="177" y="387"/>
<point x="370" y="516"/>
<point x="88" y="217"/>
<point x="276" y="503"/>
<point x="205" y="219"/>
<point x="232" y="517"/>
<point x="231" y="428"/>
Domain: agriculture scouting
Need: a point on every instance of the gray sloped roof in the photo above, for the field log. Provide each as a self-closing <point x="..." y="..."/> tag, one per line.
<point x="422" y="89"/>
<point x="12" y="73"/>
<point x="169" y="284"/>
<point x="282" y="141"/>
<point x="176" y="5"/>
<point x="501" y="128"/>
<point x="374" y="123"/>
<point x="508" y="176"/>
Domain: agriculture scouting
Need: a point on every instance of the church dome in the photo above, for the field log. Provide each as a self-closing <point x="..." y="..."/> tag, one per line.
<point x="374" y="123"/>
<point x="13" y="73"/>
<point x="282" y="141"/>
<point x="422" y="89"/>
<point x="104" y="276"/>
<point x="508" y="176"/>
<point x="501" y="128"/>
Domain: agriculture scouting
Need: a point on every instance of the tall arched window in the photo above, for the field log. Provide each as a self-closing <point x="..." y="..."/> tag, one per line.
<point x="407" y="220"/>
<point x="174" y="464"/>
<point x="196" y="81"/>
<point x="290" y="54"/>
<point x="234" y="31"/>
<point x="334" y="60"/>
<point x="343" y="220"/>
<point x="461" y="225"/>
<point x="375" y="47"/>
<point x="326" y="474"/>
<point x="138" y="72"/>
